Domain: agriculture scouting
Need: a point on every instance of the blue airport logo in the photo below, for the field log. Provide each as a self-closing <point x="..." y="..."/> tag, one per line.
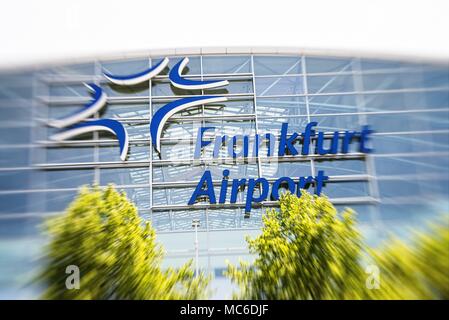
<point x="257" y="190"/>
<point x="74" y="126"/>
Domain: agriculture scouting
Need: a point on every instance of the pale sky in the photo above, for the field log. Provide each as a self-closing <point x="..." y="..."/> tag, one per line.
<point x="44" y="31"/>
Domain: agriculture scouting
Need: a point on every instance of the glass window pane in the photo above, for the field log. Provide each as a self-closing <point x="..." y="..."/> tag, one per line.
<point x="193" y="67"/>
<point x="15" y="135"/>
<point x="339" y="123"/>
<point x="410" y="143"/>
<point x="139" y="196"/>
<point x="339" y="167"/>
<point x="16" y="86"/>
<point x="226" y="64"/>
<point x="234" y="87"/>
<point x="286" y="169"/>
<point x="15" y="179"/>
<point x="231" y="219"/>
<point x="232" y="128"/>
<point x="330" y="84"/>
<point x="181" y="130"/>
<point x="400" y="188"/>
<point x="74" y="69"/>
<point x="411" y="121"/>
<point x="52" y="179"/>
<point x="136" y="130"/>
<point x="175" y="150"/>
<point x="363" y="212"/>
<point x="402" y="165"/>
<point x="325" y="64"/>
<point x="371" y="64"/>
<point x="295" y="124"/>
<point x="136" y="152"/>
<point x="36" y="202"/>
<point x="68" y="154"/>
<point x="279" y="86"/>
<point x="75" y="91"/>
<point x="126" y="110"/>
<point x="236" y="171"/>
<point x="161" y="221"/>
<point x="163" y="88"/>
<point x="405" y="80"/>
<point x="113" y="90"/>
<point x="124" y="176"/>
<point x="284" y="106"/>
<point x="172" y="196"/>
<point x="125" y="67"/>
<point x="177" y="172"/>
<point x="14" y="157"/>
<point x="193" y="111"/>
<point x="435" y="78"/>
<point x="193" y="173"/>
<point x="399" y="101"/>
<point x="14" y="112"/>
<point x="232" y="107"/>
<point x="178" y="221"/>
<point x="345" y="189"/>
<point x="274" y="65"/>
<point x="333" y="104"/>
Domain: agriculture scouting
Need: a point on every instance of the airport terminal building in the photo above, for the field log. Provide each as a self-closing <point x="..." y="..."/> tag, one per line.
<point x="162" y="122"/>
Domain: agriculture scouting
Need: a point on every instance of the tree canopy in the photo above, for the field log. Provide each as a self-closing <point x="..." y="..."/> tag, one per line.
<point x="307" y="250"/>
<point x="418" y="270"/>
<point x="116" y="252"/>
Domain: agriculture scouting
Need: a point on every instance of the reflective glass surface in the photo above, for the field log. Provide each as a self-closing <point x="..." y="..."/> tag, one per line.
<point x="403" y="183"/>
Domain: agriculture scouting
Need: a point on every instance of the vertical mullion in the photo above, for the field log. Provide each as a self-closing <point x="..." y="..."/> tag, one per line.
<point x="206" y="211"/>
<point x="373" y="187"/>
<point x="96" y="135"/>
<point x="306" y="97"/>
<point x="362" y="118"/>
<point x="256" y="121"/>
<point x="37" y="153"/>
<point x="203" y="123"/>
<point x="150" y="105"/>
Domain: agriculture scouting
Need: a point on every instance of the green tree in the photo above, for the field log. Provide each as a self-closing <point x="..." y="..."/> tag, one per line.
<point x="116" y="253"/>
<point x="308" y="251"/>
<point x="305" y="251"/>
<point x="418" y="270"/>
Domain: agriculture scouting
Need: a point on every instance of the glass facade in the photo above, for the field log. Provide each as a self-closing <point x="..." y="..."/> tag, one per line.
<point x="402" y="184"/>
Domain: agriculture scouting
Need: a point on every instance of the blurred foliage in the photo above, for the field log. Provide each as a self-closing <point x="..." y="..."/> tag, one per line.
<point x="419" y="270"/>
<point x="308" y="251"/>
<point x="305" y="251"/>
<point x="115" y="251"/>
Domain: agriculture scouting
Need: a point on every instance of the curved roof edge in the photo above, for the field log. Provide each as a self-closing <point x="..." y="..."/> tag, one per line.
<point x="231" y="50"/>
